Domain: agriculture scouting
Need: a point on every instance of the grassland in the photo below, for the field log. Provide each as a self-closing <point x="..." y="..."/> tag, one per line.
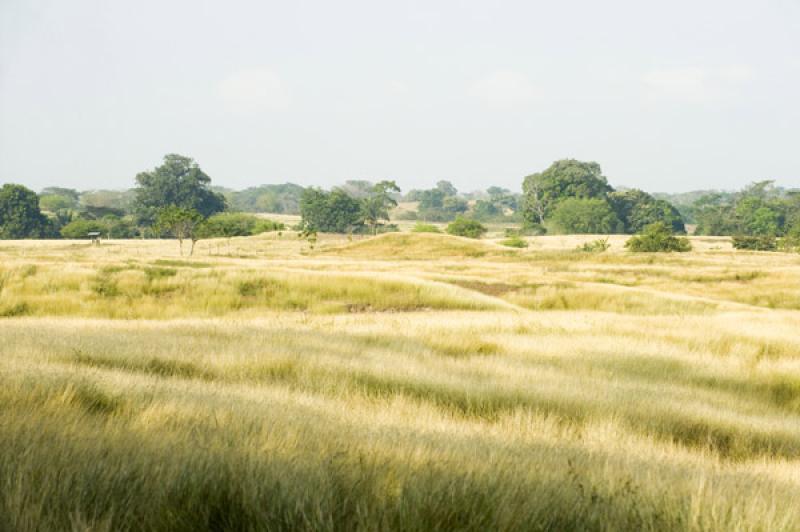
<point x="402" y="382"/>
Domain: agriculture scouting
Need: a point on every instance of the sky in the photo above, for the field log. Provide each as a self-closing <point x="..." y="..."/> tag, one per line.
<point x="666" y="96"/>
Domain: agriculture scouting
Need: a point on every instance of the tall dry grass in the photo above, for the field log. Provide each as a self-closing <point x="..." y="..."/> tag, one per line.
<point x="343" y="389"/>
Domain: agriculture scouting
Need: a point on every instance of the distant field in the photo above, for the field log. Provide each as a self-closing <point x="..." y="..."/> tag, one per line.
<point x="401" y="382"/>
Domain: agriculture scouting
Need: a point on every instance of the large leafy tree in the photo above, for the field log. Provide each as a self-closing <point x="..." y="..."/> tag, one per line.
<point x="377" y="205"/>
<point x="567" y="178"/>
<point x="20" y="216"/>
<point x="178" y="182"/>
<point x="330" y="212"/>
<point x="586" y="216"/>
<point x="637" y="209"/>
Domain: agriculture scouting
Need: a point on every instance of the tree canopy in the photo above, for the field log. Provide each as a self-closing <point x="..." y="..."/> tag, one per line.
<point x="758" y="210"/>
<point x="178" y="182"/>
<point x="377" y="204"/>
<point x="586" y="216"/>
<point x="567" y="178"/>
<point x="330" y="212"/>
<point x="588" y="197"/>
<point x="20" y="216"/>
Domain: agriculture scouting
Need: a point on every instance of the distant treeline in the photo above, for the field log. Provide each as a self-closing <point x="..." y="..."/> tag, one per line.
<point x="760" y="209"/>
<point x="176" y="198"/>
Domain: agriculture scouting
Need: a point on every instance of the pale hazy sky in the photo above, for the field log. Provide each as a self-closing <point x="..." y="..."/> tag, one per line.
<point x="666" y="96"/>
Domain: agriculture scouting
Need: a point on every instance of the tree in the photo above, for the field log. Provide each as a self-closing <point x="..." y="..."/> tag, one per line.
<point x="755" y="242"/>
<point x="465" y="227"/>
<point x="430" y="200"/>
<point x="486" y="210"/>
<point x="657" y="237"/>
<point x="453" y="205"/>
<point x="714" y="214"/>
<point x="182" y="223"/>
<point x="636" y="209"/>
<point x="119" y="201"/>
<point x="178" y="182"/>
<point x="567" y="178"/>
<point x="329" y="212"/>
<point x="760" y="209"/>
<point x="589" y="216"/>
<point x="230" y="224"/>
<point x="791" y="242"/>
<point x="280" y="199"/>
<point x="436" y="205"/>
<point x="20" y="216"/>
<point x="377" y="205"/>
<point x="81" y="227"/>
<point x="358" y="188"/>
<point x="447" y="188"/>
<point x="56" y="202"/>
<point x="69" y="193"/>
<point x="502" y="198"/>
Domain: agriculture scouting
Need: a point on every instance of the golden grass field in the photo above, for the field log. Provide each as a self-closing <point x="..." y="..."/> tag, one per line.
<point x="401" y="382"/>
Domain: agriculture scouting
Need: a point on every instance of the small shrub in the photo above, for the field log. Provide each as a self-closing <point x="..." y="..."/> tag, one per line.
<point x="81" y="228"/>
<point x="515" y="242"/>
<point x="533" y="229"/>
<point x="159" y="273"/>
<point x="595" y="246"/>
<point x="420" y="227"/>
<point x="20" y="309"/>
<point x="657" y="237"/>
<point x="258" y="287"/>
<point x="386" y="228"/>
<point x="267" y="226"/>
<point x="465" y="227"/>
<point x="755" y="242"/>
<point x="105" y="286"/>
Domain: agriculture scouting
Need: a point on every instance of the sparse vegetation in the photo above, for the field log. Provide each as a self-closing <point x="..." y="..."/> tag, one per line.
<point x="420" y="227"/>
<point x="595" y="246"/>
<point x="515" y="242"/>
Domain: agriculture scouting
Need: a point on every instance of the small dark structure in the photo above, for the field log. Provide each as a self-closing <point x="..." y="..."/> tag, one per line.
<point x="95" y="236"/>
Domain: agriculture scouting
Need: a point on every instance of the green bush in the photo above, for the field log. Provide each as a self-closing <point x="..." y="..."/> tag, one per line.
<point x="791" y="242"/>
<point x="80" y="228"/>
<point x="532" y="229"/>
<point x="267" y="226"/>
<point x="420" y="227"/>
<point x="465" y="227"/>
<point x="386" y="228"/>
<point x="230" y="224"/>
<point x="116" y="227"/>
<point x="515" y="242"/>
<point x="595" y="246"/>
<point x="755" y="242"/>
<point x="658" y="237"/>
